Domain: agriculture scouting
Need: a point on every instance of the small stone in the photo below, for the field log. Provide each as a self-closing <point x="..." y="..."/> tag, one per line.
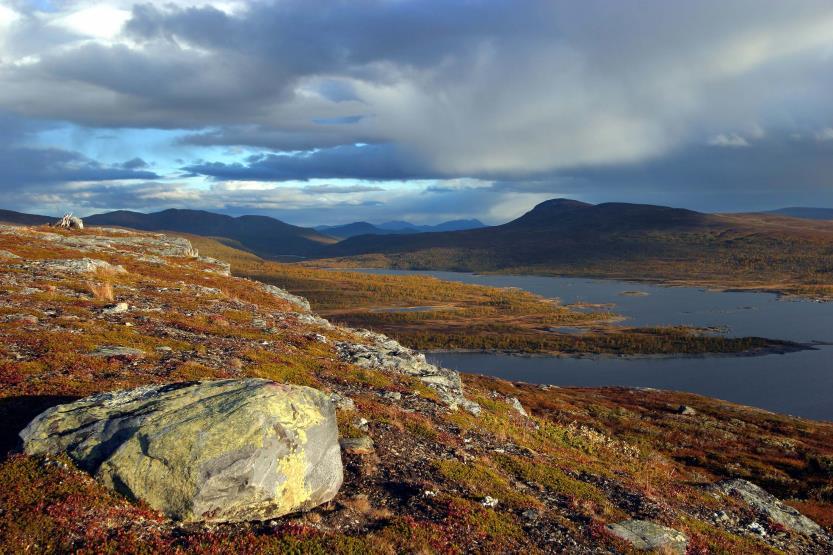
<point x="358" y="445"/>
<point x="7" y="254"/>
<point x="530" y="514"/>
<point x="686" y="410"/>
<point x="392" y="395"/>
<point x="756" y="528"/>
<point x="516" y="404"/>
<point x="342" y="402"/>
<point x="490" y="502"/>
<point x="164" y="349"/>
<point x="117" y="308"/>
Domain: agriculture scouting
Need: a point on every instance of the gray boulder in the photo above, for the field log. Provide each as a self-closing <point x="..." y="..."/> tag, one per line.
<point x="650" y="536"/>
<point x="226" y="450"/>
<point x="771" y="507"/>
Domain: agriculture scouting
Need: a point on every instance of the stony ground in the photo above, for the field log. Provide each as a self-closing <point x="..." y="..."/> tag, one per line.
<point x="432" y="464"/>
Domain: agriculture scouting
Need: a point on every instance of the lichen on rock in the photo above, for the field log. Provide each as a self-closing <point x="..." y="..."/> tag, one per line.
<point x="226" y="450"/>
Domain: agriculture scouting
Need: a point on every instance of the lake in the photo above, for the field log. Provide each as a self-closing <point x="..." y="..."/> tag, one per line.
<point x="799" y="383"/>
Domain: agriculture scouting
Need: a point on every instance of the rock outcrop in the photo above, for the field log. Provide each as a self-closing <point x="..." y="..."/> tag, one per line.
<point x="384" y="353"/>
<point x="650" y="536"/>
<point x="70" y="222"/>
<point x="226" y="450"/>
<point x="771" y="508"/>
<point x="286" y="296"/>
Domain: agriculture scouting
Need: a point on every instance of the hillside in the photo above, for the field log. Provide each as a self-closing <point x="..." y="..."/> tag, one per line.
<point x="12" y="217"/>
<point x="805" y="213"/>
<point x="618" y="240"/>
<point x="430" y="465"/>
<point x="265" y="236"/>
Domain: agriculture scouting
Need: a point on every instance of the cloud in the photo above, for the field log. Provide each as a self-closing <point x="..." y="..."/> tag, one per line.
<point x="369" y="162"/>
<point x="594" y="98"/>
<point x="340" y="189"/>
<point x="731" y="140"/>
<point x="454" y="85"/>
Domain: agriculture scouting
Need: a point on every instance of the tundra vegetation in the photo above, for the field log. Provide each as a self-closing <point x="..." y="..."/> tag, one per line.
<point x="428" y="313"/>
<point x="435" y="480"/>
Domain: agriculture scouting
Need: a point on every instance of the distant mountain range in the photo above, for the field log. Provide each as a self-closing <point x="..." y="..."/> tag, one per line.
<point x="805" y="213"/>
<point x="395" y="227"/>
<point x="568" y="237"/>
<point x="557" y="236"/>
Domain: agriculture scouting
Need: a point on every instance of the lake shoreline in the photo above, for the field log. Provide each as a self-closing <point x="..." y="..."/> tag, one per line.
<point x="773" y="350"/>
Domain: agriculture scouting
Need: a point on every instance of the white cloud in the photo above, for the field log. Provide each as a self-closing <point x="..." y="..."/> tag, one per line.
<point x="731" y="140"/>
<point x="825" y="134"/>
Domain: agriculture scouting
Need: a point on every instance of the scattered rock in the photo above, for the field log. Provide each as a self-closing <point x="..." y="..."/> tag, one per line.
<point x="530" y="514"/>
<point x="286" y="296"/>
<point x="358" y="445"/>
<point x="392" y="395"/>
<point x="26" y="319"/>
<point x="7" y="254"/>
<point x="221" y="451"/>
<point x="81" y="266"/>
<point x="386" y="354"/>
<point x="771" y="507"/>
<point x="70" y="222"/>
<point x="516" y="404"/>
<point x="115" y="351"/>
<point x="686" y="410"/>
<point x="650" y="536"/>
<point x="342" y="402"/>
<point x="117" y="308"/>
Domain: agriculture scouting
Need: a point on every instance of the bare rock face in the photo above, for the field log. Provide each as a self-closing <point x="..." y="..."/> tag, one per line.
<point x="221" y="451"/>
<point x="650" y="536"/>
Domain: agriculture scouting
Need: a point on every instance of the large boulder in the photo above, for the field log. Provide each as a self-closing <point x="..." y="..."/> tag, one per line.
<point x="226" y="450"/>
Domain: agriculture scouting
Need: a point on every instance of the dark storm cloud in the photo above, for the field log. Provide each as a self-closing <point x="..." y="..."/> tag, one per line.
<point x="595" y="98"/>
<point x="370" y="162"/>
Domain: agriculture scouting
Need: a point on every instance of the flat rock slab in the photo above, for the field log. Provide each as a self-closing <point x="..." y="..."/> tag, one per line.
<point x="115" y="351"/>
<point x="222" y="451"/>
<point x="650" y="536"/>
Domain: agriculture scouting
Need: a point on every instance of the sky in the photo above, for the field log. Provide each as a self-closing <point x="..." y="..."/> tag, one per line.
<point x="328" y="112"/>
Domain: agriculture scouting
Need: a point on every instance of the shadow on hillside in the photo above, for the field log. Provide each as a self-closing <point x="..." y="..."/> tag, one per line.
<point x="17" y="412"/>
